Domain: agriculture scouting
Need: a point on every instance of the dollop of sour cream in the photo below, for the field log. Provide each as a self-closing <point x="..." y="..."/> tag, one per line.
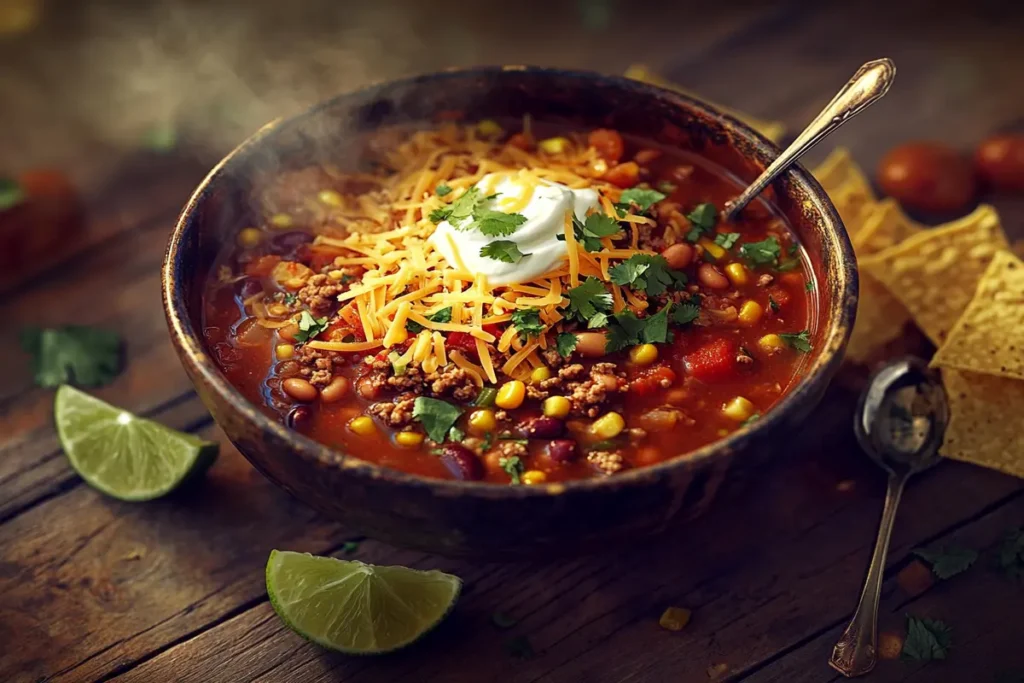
<point x="542" y="202"/>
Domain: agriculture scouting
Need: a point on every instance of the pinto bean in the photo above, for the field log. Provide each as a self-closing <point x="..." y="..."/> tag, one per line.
<point x="366" y="388"/>
<point x="591" y="344"/>
<point x="461" y="462"/>
<point x="335" y="391"/>
<point x="678" y="255"/>
<point x="299" y="389"/>
<point x="710" y="276"/>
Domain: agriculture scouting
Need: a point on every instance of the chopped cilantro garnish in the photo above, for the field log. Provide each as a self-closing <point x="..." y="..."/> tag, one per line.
<point x="801" y="341"/>
<point x="773" y="304"/>
<point x="926" y="639"/>
<point x="502" y="620"/>
<point x="505" y="251"/>
<point x="685" y="314"/>
<point x="514" y="467"/>
<point x="456" y="435"/>
<point x="459" y="210"/>
<point x="496" y="224"/>
<point x="587" y="300"/>
<point x="787" y="264"/>
<point x="666" y="187"/>
<point x="647" y="273"/>
<point x="436" y="416"/>
<point x="626" y="329"/>
<point x="76" y="354"/>
<point x="488" y="441"/>
<point x="442" y="316"/>
<point x="809" y="287"/>
<point x="641" y="197"/>
<point x="1011" y="553"/>
<point x="290" y="299"/>
<point x="948" y="561"/>
<point x="590" y="232"/>
<point x="763" y="253"/>
<point x="527" y="321"/>
<point x="443" y="190"/>
<point x="309" y="327"/>
<point x="11" y="194"/>
<point x="726" y="239"/>
<point x="702" y="218"/>
<point x="566" y="344"/>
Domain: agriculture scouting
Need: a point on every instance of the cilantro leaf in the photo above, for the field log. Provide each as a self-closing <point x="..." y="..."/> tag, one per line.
<point x="726" y="240"/>
<point x="800" y="341"/>
<point x="927" y="639"/>
<point x="763" y="253"/>
<point x="436" y="416"/>
<point x="949" y="561"/>
<point x="440" y="214"/>
<point x="643" y="198"/>
<point x="685" y="314"/>
<point x="587" y="300"/>
<point x="655" y="329"/>
<point x="76" y="354"/>
<point x="442" y="316"/>
<point x="702" y="218"/>
<point x="505" y="251"/>
<point x="514" y="467"/>
<point x="495" y="223"/>
<point x="598" y="320"/>
<point x="527" y="321"/>
<point x="626" y="329"/>
<point x="443" y="190"/>
<point x="290" y="299"/>
<point x="11" y="194"/>
<point x="566" y="344"/>
<point x="648" y="273"/>
<point x="590" y="232"/>
<point x="1011" y="553"/>
<point x="349" y="547"/>
<point x="456" y="435"/>
<point x="809" y="287"/>
<point x="310" y="327"/>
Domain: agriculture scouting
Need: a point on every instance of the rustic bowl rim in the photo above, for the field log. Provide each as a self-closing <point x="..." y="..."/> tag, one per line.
<point x="834" y="330"/>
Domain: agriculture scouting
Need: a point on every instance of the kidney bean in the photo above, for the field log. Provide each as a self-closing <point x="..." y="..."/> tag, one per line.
<point x="461" y="462"/>
<point x="1000" y="162"/>
<point x="299" y="417"/>
<point x="544" y="428"/>
<point x="289" y="244"/>
<point x="299" y="389"/>
<point x="928" y="177"/>
<point x="678" y="255"/>
<point x="562" y="451"/>
<point x="591" y="344"/>
<point x="710" y="276"/>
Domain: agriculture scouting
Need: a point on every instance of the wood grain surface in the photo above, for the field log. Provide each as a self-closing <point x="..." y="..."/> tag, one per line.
<point x="92" y="589"/>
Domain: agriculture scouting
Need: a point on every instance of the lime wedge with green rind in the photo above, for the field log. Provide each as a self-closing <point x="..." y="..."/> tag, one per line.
<point x="122" y="455"/>
<point x="354" y="607"/>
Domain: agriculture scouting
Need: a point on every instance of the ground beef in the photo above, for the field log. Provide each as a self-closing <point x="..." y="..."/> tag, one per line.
<point x="318" y="366"/>
<point x="545" y="388"/>
<point x="508" y="449"/>
<point x="320" y="295"/>
<point x="553" y="358"/>
<point x="764" y="280"/>
<point x="606" y="462"/>
<point x="396" y="413"/>
<point x="588" y="396"/>
<point x="411" y="380"/>
<point x="452" y="380"/>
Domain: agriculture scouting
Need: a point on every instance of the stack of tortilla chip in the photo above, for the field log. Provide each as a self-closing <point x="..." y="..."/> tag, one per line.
<point x="963" y="288"/>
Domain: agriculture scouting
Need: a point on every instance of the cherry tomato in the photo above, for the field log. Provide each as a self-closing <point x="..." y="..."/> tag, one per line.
<point x="928" y="177"/>
<point x="1000" y="162"/>
<point x="712" y="362"/>
<point x="608" y="144"/>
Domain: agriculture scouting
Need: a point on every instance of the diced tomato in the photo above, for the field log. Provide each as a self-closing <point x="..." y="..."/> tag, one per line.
<point x="651" y="380"/>
<point x="493" y="328"/>
<point x="461" y="340"/>
<point x="319" y="258"/>
<point x="624" y="175"/>
<point x="608" y="144"/>
<point x="263" y="266"/>
<point x="712" y="362"/>
<point x="779" y="295"/>
<point x="350" y="314"/>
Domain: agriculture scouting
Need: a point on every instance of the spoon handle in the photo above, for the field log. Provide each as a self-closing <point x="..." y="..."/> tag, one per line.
<point x="855" y="653"/>
<point x="866" y="87"/>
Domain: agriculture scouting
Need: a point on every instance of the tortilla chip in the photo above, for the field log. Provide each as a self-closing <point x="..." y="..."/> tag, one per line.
<point x="984" y="426"/>
<point x="989" y="336"/>
<point x="885" y="225"/>
<point x="773" y="130"/>
<point x="880" y="320"/>
<point x="934" y="274"/>
<point x="847" y="187"/>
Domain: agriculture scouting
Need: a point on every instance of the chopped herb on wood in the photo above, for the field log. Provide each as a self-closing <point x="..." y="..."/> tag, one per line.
<point x="73" y="354"/>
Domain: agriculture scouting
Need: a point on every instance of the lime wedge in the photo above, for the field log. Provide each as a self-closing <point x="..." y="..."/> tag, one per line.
<point x="355" y="607"/>
<point x="125" y="456"/>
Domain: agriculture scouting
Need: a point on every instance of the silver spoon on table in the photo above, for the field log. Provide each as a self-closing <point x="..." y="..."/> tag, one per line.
<point x="866" y="87"/>
<point x="900" y="422"/>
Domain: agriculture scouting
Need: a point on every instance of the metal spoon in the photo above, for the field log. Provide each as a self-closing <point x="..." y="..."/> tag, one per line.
<point x="866" y="87"/>
<point x="901" y="419"/>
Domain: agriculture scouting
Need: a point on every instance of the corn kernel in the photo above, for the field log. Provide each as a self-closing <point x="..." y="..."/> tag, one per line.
<point x="362" y="425"/>
<point x="534" y="477"/>
<point x="644" y="354"/>
<point x="540" y="374"/>
<point x="335" y="274"/>
<point x="710" y="247"/>
<point x="553" y="145"/>
<point x="608" y="426"/>
<point x="737" y="274"/>
<point x="482" y="421"/>
<point x="750" y="313"/>
<point x="285" y="351"/>
<point x="250" y="237"/>
<point x="674" y="618"/>
<point x="511" y="395"/>
<point x="488" y="128"/>
<point x="408" y="439"/>
<point x="771" y="343"/>
<point x="281" y="220"/>
<point x="330" y="198"/>
<point x="556" y="406"/>
<point x="738" y="409"/>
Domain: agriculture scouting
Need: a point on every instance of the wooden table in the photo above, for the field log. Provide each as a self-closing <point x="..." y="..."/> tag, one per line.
<point x="93" y="589"/>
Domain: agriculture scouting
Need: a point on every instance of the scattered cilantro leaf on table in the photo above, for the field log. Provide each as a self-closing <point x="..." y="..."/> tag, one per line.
<point x="436" y="416"/>
<point x="702" y="220"/>
<point x="527" y="322"/>
<point x="800" y="341"/>
<point x="443" y="190"/>
<point x="643" y="198"/>
<point x="948" y="561"/>
<point x="442" y="316"/>
<point x="1011" y="553"/>
<point x="647" y="273"/>
<point x="73" y="354"/>
<point x="763" y="253"/>
<point x="349" y="547"/>
<point x="927" y="639"/>
<point x="519" y="647"/>
<point x="566" y="344"/>
<point x="502" y="620"/>
<point x="587" y="300"/>
<point x="310" y="327"/>
<point x="11" y="194"/>
<point x="513" y="466"/>
<point x="505" y="251"/>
